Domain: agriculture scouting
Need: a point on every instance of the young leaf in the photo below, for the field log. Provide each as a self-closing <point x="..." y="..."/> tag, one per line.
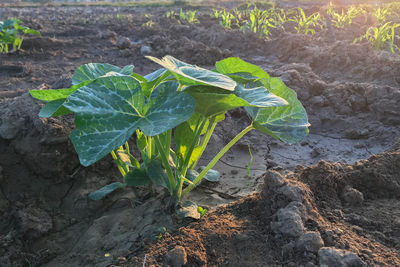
<point x="105" y="190"/>
<point x="110" y="109"/>
<point x="287" y="123"/>
<point x="188" y="74"/>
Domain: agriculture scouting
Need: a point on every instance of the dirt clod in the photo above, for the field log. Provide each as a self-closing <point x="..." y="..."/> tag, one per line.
<point x="176" y="257"/>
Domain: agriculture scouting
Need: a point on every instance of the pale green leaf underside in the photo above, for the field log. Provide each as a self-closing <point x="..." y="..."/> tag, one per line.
<point x="192" y="75"/>
<point x="109" y="110"/>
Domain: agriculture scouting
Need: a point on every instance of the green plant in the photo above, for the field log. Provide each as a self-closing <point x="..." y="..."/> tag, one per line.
<point x="380" y="36"/>
<point x="382" y="13"/>
<point x="306" y="24"/>
<point x="12" y="33"/>
<point x="170" y="14"/>
<point x="150" y="23"/>
<point x="188" y="16"/>
<point x="202" y="211"/>
<point x="216" y="13"/>
<point x="226" y="20"/>
<point x="259" y="22"/>
<point x="172" y="112"/>
<point x="344" y="19"/>
<point x="250" y="162"/>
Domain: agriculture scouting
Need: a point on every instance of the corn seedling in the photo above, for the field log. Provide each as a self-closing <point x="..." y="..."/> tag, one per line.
<point x="306" y="24"/>
<point x="381" y="36"/>
<point x="382" y="13"/>
<point x="344" y="19"/>
<point x="12" y="34"/>
<point x="188" y="16"/>
<point x="172" y="112"/>
<point x="150" y="23"/>
<point x="226" y="20"/>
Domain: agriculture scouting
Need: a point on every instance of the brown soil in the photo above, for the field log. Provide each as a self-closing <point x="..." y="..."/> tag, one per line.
<point x="351" y="94"/>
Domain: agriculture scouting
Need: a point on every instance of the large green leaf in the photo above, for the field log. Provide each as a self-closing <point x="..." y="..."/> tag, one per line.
<point x="105" y="190"/>
<point x="93" y="71"/>
<point x="287" y="123"/>
<point x="110" y="109"/>
<point x="192" y="75"/>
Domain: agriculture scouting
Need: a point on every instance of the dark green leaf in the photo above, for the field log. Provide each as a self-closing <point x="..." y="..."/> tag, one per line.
<point x="104" y="191"/>
<point x="212" y="101"/>
<point x="157" y="174"/>
<point x="137" y="177"/>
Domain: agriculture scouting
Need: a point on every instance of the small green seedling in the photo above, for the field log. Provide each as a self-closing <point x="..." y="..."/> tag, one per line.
<point x="201" y="210"/>
<point x="12" y="34"/>
<point x="172" y="112"/>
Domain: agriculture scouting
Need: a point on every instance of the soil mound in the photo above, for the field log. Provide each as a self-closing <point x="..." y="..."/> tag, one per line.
<point x="330" y="213"/>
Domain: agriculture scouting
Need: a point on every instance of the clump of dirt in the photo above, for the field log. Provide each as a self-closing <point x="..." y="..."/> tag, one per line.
<point x="322" y="214"/>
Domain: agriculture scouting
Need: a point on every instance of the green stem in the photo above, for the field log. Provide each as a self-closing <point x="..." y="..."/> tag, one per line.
<point x="216" y="158"/>
<point x="165" y="162"/>
<point x="149" y="146"/>
<point x="197" y="133"/>
<point x="120" y="168"/>
<point x="206" y="139"/>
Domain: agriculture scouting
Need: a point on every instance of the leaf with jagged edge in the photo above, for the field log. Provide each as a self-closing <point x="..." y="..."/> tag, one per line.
<point x="110" y="109"/>
<point x="188" y="74"/>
